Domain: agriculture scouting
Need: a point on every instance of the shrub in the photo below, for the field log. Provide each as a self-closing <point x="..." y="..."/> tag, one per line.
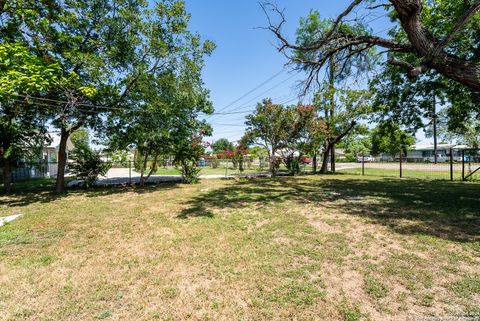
<point x="293" y="165"/>
<point x="214" y="162"/>
<point x="237" y="156"/>
<point x="190" y="171"/>
<point x="88" y="165"/>
<point x="188" y="154"/>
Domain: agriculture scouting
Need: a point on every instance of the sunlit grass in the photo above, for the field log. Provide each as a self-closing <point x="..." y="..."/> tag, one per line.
<point x="334" y="247"/>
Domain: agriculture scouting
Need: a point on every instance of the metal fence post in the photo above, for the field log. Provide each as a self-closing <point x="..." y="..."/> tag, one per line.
<point x="463" y="164"/>
<point x="130" y="172"/>
<point x="401" y="174"/>
<point x="451" y="164"/>
<point x="363" y="165"/>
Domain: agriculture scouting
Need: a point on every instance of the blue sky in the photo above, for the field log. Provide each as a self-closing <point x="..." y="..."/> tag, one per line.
<point x="245" y="55"/>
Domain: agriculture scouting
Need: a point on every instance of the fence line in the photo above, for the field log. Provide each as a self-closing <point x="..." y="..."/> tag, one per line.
<point x="450" y="168"/>
<point x="464" y="167"/>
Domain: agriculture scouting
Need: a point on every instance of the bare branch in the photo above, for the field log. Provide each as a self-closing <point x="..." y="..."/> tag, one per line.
<point x="340" y="17"/>
<point x="421" y="43"/>
<point x="382" y="5"/>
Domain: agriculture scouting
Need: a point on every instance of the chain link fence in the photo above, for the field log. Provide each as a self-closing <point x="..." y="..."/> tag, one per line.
<point x="457" y="165"/>
<point x="454" y="165"/>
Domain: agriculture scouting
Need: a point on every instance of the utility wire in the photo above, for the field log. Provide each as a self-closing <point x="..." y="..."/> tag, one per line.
<point x="250" y="109"/>
<point x="233" y="125"/>
<point x="252" y="90"/>
<point x="27" y="98"/>
<point x="259" y="95"/>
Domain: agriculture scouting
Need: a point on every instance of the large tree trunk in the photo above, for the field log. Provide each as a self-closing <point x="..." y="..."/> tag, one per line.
<point x="332" y="158"/>
<point x="142" y="172"/>
<point x="7" y="177"/>
<point x="153" y="169"/>
<point x="461" y="70"/>
<point x="272" y="162"/>
<point x="432" y="53"/>
<point x="325" y="157"/>
<point x="62" y="161"/>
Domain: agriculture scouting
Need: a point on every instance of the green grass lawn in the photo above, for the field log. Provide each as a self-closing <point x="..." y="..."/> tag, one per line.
<point x="334" y="247"/>
<point x="222" y="170"/>
<point x="207" y="170"/>
<point x="40" y="184"/>
<point x="407" y="173"/>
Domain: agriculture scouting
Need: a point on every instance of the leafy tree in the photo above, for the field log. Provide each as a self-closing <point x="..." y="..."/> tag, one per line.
<point x="357" y="145"/>
<point x="80" y="138"/>
<point x="221" y="145"/>
<point x="187" y="156"/>
<point x="439" y="36"/>
<point x="237" y="155"/>
<point x="413" y="102"/>
<point x="389" y="138"/>
<point x="287" y="133"/>
<point x="257" y="151"/>
<point x="88" y="165"/>
<point x="471" y="136"/>
<point x="106" y="47"/>
<point x="266" y="127"/>
<point x="341" y="111"/>
<point x="468" y="133"/>
<point x="163" y="113"/>
<point x="22" y="125"/>
<point x="299" y="135"/>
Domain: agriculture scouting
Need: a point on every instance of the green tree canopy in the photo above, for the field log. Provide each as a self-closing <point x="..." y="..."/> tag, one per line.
<point x="222" y="144"/>
<point x="267" y="127"/>
<point x="389" y="138"/>
<point x="106" y="48"/>
<point x="23" y="124"/>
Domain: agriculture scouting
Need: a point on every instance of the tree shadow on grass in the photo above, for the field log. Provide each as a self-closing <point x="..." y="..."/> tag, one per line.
<point x="447" y="210"/>
<point x="47" y="195"/>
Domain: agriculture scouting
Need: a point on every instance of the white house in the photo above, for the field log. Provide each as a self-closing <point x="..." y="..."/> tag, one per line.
<point x="45" y="165"/>
<point x="425" y="153"/>
<point x="50" y="153"/>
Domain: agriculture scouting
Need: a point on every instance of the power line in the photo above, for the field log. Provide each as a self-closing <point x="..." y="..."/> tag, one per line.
<point x="252" y="90"/>
<point x="259" y="95"/>
<point x="233" y="125"/>
<point x="273" y="99"/>
<point x="271" y="88"/>
<point x="50" y="106"/>
<point x="250" y="109"/>
<point x="229" y="132"/>
<point x="27" y="97"/>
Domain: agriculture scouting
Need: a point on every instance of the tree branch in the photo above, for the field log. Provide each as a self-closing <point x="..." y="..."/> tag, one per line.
<point x="412" y="71"/>
<point x="345" y="133"/>
<point x="461" y="22"/>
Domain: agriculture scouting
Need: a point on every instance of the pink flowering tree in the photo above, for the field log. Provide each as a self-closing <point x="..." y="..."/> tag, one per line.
<point x="188" y="155"/>
<point x="237" y="155"/>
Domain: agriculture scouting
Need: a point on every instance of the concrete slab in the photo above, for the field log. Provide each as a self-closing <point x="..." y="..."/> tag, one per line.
<point x="7" y="219"/>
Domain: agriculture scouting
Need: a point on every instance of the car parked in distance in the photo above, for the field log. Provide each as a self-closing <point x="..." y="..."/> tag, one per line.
<point x="440" y="159"/>
<point x="305" y="160"/>
<point x="366" y="159"/>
